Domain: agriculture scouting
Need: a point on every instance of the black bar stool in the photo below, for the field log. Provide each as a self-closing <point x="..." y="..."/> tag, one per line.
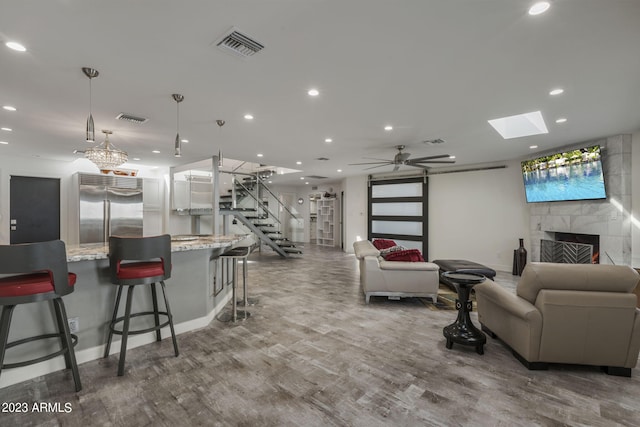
<point x="240" y="252"/>
<point x="139" y="261"/>
<point x="42" y="276"/>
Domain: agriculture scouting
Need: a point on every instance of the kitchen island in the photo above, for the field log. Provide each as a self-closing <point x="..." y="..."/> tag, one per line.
<point x="194" y="290"/>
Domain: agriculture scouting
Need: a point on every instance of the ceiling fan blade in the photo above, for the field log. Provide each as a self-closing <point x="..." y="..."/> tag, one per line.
<point x="375" y="158"/>
<point x="433" y="161"/>
<point x="415" y="165"/>
<point x="379" y="166"/>
<point x="386" y="162"/>
<point x="396" y="167"/>
<point x="419" y="159"/>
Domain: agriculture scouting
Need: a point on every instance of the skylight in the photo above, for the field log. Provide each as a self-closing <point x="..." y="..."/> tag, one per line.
<point x="520" y="125"/>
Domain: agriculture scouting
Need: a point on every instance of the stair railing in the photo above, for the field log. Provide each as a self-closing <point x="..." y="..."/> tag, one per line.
<point x="259" y="203"/>
<point x="285" y="207"/>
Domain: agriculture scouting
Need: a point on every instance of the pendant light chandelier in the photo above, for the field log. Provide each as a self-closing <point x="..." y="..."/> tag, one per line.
<point x="106" y="156"/>
<point x="178" y="143"/>
<point x="91" y="134"/>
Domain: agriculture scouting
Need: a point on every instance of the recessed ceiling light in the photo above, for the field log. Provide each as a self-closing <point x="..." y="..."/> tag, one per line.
<point x="136" y="158"/>
<point x="313" y="92"/>
<point x="452" y="157"/>
<point x="557" y="91"/>
<point x="533" y="146"/>
<point x="156" y="152"/>
<point x="307" y="183"/>
<point x="4" y="143"/>
<point x="6" y="129"/>
<point x="328" y="140"/>
<point x="260" y="155"/>
<point x="270" y="182"/>
<point x="302" y="177"/>
<point x="9" y="108"/>
<point x="561" y="120"/>
<point x="186" y="141"/>
<point x="539" y="7"/>
<point x="16" y="46"/>
<point x="298" y="163"/>
<point x="339" y="170"/>
<point x="520" y="125"/>
<point x="248" y="116"/>
<point x="388" y="127"/>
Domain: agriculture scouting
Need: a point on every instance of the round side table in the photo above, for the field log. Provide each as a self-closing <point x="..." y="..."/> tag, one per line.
<point x="462" y="331"/>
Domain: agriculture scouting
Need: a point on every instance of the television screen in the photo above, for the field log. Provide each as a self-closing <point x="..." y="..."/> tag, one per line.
<point x="570" y="175"/>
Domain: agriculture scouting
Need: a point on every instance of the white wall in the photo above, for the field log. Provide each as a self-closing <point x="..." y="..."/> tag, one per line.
<point x="635" y="199"/>
<point x="355" y="210"/>
<point x="478" y="216"/>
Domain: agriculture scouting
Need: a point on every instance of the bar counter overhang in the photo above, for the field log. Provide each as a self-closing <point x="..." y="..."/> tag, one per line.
<point x="190" y="290"/>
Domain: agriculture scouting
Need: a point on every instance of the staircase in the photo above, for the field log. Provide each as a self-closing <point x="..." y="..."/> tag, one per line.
<point x="246" y="204"/>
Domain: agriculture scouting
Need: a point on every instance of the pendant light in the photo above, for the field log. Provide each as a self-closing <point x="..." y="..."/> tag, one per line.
<point x="91" y="134"/>
<point x="220" y="123"/>
<point x="178" y="144"/>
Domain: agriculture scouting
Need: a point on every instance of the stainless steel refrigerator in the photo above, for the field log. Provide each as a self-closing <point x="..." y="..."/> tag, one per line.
<point x="109" y="205"/>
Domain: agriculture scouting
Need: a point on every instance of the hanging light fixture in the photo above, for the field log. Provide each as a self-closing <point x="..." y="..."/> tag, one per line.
<point x="178" y="144"/>
<point x="91" y="73"/>
<point x="106" y="156"/>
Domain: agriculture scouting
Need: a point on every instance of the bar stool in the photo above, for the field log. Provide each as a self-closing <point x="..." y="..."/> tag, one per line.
<point x="239" y="252"/>
<point x="139" y="261"/>
<point x="42" y="276"/>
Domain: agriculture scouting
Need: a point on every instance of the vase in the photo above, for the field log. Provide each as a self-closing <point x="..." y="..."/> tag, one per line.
<point x="520" y="256"/>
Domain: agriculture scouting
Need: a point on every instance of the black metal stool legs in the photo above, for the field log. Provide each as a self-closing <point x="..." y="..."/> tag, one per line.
<point x="126" y="318"/>
<point x="5" y="322"/>
<point x="173" y="332"/>
<point x="113" y="322"/>
<point x="125" y="331"/>
<point x="67" y="342"/>
<point x="156" y="316"/>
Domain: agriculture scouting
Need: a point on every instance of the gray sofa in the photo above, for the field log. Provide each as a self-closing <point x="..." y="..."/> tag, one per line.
<point x="394" y="279"/>
<point x="566" y="313"/>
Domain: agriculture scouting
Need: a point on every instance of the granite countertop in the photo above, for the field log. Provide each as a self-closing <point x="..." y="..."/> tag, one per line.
<point x="93" y="251"/>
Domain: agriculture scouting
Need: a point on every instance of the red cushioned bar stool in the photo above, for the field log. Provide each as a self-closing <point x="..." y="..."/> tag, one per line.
<point x="38" y="273"/>
<point x="139" y="261"/>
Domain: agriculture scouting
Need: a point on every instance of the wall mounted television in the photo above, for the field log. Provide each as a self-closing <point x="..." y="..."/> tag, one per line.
<point x="568" y="175"/>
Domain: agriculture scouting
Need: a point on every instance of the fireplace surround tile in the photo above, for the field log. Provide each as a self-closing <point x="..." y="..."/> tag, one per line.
<point x="610" y="220"/>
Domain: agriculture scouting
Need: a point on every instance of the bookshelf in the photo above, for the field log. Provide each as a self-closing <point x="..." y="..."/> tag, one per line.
<point x="325" y="225"/>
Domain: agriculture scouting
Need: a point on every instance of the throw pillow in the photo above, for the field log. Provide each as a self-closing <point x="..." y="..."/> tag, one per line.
<point x="384" y="252"/>
<point x="411" y="255"/>
<point x="383" y="243"/>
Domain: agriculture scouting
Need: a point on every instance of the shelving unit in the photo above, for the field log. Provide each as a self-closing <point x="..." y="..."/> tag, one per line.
<point x="325" y="234"/>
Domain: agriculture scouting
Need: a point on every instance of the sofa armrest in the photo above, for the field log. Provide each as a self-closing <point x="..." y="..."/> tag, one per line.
<point x="364" y="248"/>
<point x="406" y="265"/>
<point x="510" y="302"/>
<point x="634" y="345"/>
<point x="515" y="320"/>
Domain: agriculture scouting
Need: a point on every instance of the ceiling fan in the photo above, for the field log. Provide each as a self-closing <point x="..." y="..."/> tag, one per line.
<point x="402" y="158"/>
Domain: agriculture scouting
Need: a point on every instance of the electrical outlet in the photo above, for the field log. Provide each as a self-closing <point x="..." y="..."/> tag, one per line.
<point x="74" y="324"/>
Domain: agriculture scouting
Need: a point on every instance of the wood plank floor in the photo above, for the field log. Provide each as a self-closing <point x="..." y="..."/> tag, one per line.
<point x="313" y="354"/>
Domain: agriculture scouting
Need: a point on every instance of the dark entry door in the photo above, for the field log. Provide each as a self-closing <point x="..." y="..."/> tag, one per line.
<point x="34" y="209"/>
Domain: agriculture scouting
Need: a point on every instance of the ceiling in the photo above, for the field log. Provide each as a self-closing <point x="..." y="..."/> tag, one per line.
<point x="430" y="68"/>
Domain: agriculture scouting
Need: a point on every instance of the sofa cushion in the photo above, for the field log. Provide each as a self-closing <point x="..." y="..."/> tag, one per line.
<point x="411" y="255"/>
<point x="399" y="265"/>
<point x="383" y="243"/>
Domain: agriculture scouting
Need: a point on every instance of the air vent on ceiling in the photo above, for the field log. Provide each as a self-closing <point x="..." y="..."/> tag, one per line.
<point x="130" y="118"/>
<point x="434" y="141"/>
<point x="239" y="44"/>
<point x="316" y="177"/>
<point x="322" y="158"/>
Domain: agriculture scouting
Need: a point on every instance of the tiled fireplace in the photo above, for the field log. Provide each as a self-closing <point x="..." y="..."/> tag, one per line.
<point x="608" y="219"/>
